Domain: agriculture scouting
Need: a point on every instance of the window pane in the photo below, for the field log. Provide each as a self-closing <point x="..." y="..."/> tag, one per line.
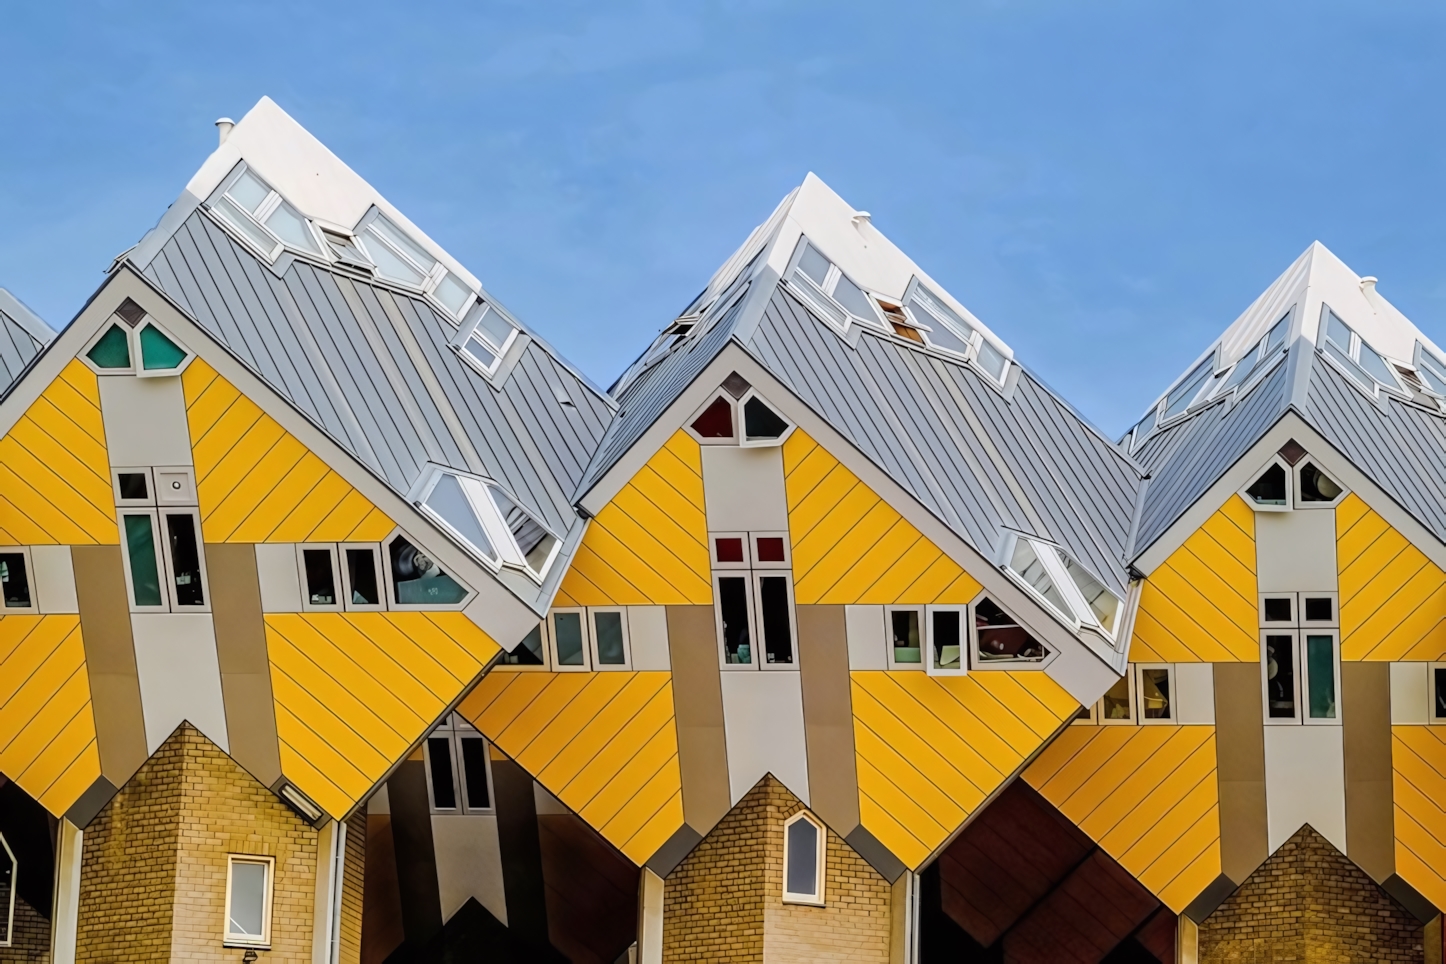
<point x="241" y="222"/>
<point x="609" y="630"/>
<point x="945" y="639"/>
<point x="247" y="914"/>
<point x="1243" y="369"/>
<point x="1104" y="604"/>
<point x="249" y="192"/>
<point x="935" y="306"/>
<point x="14" y="583"/>
<point x="770" y="549"/>
<point x="1116" y="702"/>
<point x="495" y="328"/>
<point x="1275" y="337"/>
<point x="904" y="635"/>
<point x="141" y="547"/>
<point x="991" y="359"/>
<point x="1029" y="567"/>
<point x="533" y="541"/>
<point x="485" y="356"/>
<point x="1433" y="373"/>
<point x="186" y="559"/>
<point x="1180" y="399"/>
<point x="111" y="350"/>
<point x="813" y="264"/>
<point x="1320" y="663"/>
<point x="439" y="760"/>
<point x="1278" y="609"/>
<point x="567" y="635"/>
<point x="1000" y="637"/>
<point x="451" y="293"/>
<point x="855" y="302"/>
<point x="1378" y="367"/>
<point x="733" y="607"/>
<point x="528" y="652"/>
<point x="729" y="548"/>
<point x="389" y="263"/>
<point x="941" y="335"/>
<point x="760" y="421"/>
<point x="320" y="580"/>
<point x="291" y="228"/>
<point x="417" y="579"/>
<point x="1280" y="676"/>
<point x="474" y="769"/>
<point x="1438" y="700"/>
<point x="133" y="485"/>
<point x="1319" y="608"/>
<point x="1269" y="489"/>
<point x="449" y="501"/>
<point x="1315" y="486"/>
<point x="159" y="353"/>
<point x="777" y="624"/>
<point x="716" y="420"/>
<point x="1337" y="332"/>
<point x="1155" y="694"/>
<point x="403" y="243"/>
<point x="361" y="571"/>
<point x="802" y="859"/>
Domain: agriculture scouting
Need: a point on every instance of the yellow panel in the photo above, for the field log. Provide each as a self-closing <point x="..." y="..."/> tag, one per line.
<point x="1393" y="599"/>
<point x="354" y="691"/>
<point x="1418" y="758"/>
<point x="54" y="472"/>
<point x="930" y="750"/>
<point x="257" y="482"/>
<point x="602" y="743"/>
<point x="1148" y="795"/>
<point x="47" y="728"/>
<point x="649" y="545"/>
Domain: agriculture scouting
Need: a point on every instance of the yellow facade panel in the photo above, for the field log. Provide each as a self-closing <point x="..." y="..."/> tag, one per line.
<point x="638" y="825"/>
<point x="1418" y="761"/>
<point x="656" y="829"/>
<point x="1392" y="598"/>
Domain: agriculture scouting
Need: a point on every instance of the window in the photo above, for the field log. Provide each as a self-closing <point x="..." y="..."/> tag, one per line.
<point x="248" y="900"/>
<point x="1431" y="371"/>
<point x="419" y="581"/>
<point x="948" y="628"/>
<point x="1270" y="492"/>
<point x="1156" y="693"/>
<point x="530" y="652"/>
<point x="159" y="354"/>
<point x="944" y="329"/>
<point x="762" y="426"/>
<point x="1358" y="359"/>
<point x="931" y="638"/>
<point x="483" y="339"/>
<point x="9" y="868"/>
<point x="400" y="259"/>
<point x="361" y="565"/>
<point x="15" y="591"/>
<point x="1180" y="397"/>
<point x="568" y="635"/>
<point x="119" y="346"/>
<point x="609" y="638"/>
<point x="754" y="599"/>
<point x="906" y="637"/>
<point x="318" y="578"/>
<point x="715" y="421"/>
<point x="1256" y="358"/>
<point x="1063" y="584"/>
<point x="1314" y="489"/>
<point x="459" y="772"/>
<point x="161" y="532"/>
<point x="488" y="522"/>
<point x="340" y="577"/>
<point x="263" y="219"/>
<point x="830" y="291"/>
<point x="1438" y="693"/>
<point x="1300" y="657"/>
<point x="1000" y="641"/>
<point x="804" y="840"/>
<point x="1117" y="705"/>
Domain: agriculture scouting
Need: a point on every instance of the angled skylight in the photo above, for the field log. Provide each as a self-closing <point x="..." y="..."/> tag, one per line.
<point x="1359" y="359"/>
<point x="487" y="520"/>
<point x="1063" y="584"/>
<point x="1256" y="357"/>
<point x="943" y="329"/>
<point x="829" y="290"/>
<point x="264" y="218"/>
<point x="1180" y="397"/>
<point x="400" y="259"/>
<point x="484" y="337"/>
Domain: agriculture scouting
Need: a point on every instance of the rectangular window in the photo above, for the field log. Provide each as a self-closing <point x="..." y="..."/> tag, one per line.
<point x="15" y="581"/>
<point x="1156" y="694"/>
<point x="1117" y="705"/>
<point x="735" y="619"/>
<point x="803" y="860"/>
<point x="1438" y="694"/>
<point x="142" y="561"/>
<point x="318" y="571"/>
<point x="775" y="609"/>
<point x="248" y="900"/>
<point x="609" y="638"/>
<point x="1322" y="689"/>
<point x="947" y="640"/>
<point x="458" y="770"/>
<point x="906" y="637"/>
<point x="475" y="773"/>
<point x="569" y="638"/>
<point x="361" y="565"/>
<point x="183" y="554"/>
<point x="440" y="773"/>
<point x="1281" y="685"/>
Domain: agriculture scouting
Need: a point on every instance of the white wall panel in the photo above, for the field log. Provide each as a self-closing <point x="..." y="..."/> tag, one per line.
<point x="648" y="637"/>
<point x="1305" y="782"/>
<point x="180" y="675"/>
<point x="763" y="729"/>
<point x="868" y="642"/>
<point x="469" y="863"/>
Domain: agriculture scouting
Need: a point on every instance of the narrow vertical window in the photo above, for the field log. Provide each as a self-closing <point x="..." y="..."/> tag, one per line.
<point x="904" y="636"/>
<point x="803" y="860"/>
<point x="14" y="580"/>
<point x="8" y="869"/>
<point x="1115" y="704"/>
<point x="733" y="609"/>
<point x="1280" y="676"/>
<point x="1155" y="696"/>
<point x="777" y="624"/>
<point x="608" y="632"/>
<point x="1320" y="662"/>
<point x="361" y="572"/>
<point x="141" y="551"/>
<point x="946" y="639"/>
<point x="439" y="767"/>
<point x="567" y="638"/>
<point x="474" y="769"/>
<point x="185" y="559"/>
<point x="320" y="577"/>
<point x="248" y="901"/>
<point x="1438" y="693"/>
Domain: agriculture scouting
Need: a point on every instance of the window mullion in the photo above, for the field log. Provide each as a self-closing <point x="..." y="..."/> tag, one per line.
<point x="1063" y="582"/>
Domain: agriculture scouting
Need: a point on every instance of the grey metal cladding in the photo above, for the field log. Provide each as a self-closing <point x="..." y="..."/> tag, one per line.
<point x="978" y="460"/>
<point x="374" y="368"/>
<point x="1188" y="458"/>
<point x="1400" y="446"/>
<point x="17" y="348"/>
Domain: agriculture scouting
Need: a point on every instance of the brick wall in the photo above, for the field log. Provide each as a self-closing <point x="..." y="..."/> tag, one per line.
<point x="153" y="874"/>
<point x="724" y="903"/>
<point x="29" y="939"/>
<point x="1310" y="903"/>
<point x="353" y="880"/>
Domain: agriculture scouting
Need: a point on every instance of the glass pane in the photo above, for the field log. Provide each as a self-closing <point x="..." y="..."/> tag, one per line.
<point x="1320" y="668"/>
<point x="417" y="579"/>
<point x="1269" y="489"/>
<point x="528" y="652"/>
<point x="567" y="635"/>
<point x="943" y="336"/>
<point x="474" y="770"/>
<point x="1104" y="604"/>
<point x="760" y="421"/>
<point x="242" y="222"/>
<point x="111" y="350"/>
<point x="904" y="635"/>
<point x="320" y="580"/>
<point x="495" y="328"/>
<point x="1278" y="609"/>
<point x="361" y="572"/>
<point x="1179" y="399"/>
<point x="940" y="310"/>
<point x="14" y="582"/>
<point x="449" y="502"/>
<point x="533" y="541"/>
<point x="1155" y="694"/>
<point x="802" y="859"/>
<point x="1000" y="637"/>
<point x="439" y="762"/>
<point x="813" y="264"/>
<point x="1379" y="368"/>
<point x="733" y="607"/>
<point x="1315" y="486"/>
<point x="1438" y="696"/>
<point x="777" y="624"/>
<point x="1029" y="567"/>
<point x="141" y="547"/>
<point x="608" y="628"/>
<point x="1116" y="702"/>
<point x="484" y="355"/>
<point x="991" y="360"/>
<point x="1355" y="371"/>
<point x="1433" y="374"/>
<point x="7" y="894"/>
<point x="133" y="485"/>
<point x="1337" y="332"/>
<point x="247" y="914"/>
<point x="822" y="302"/>
<point x="1280" y="676"/>
<point x="1275" y="337"/>
<point x="185" y="559"/>
<point x="406" y="245"/>
<point x="1319" y="608"/>
<point x="389" y="264"/>
<point x="1242" y="370"/>
<point x="729" y="548"/>
<point x="292" y="228"/>
<point x="770" y="549"/>
<point x="716" y="420"/>
<point x="451" y="293"/>
<point x="249" y="192"/>
<point x="946" y="639"/>
<point x="159" y="353"/>
<point x="855" y="302"/>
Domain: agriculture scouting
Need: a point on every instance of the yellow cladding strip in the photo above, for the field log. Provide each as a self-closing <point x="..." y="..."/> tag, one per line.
<point x="1147" y="795"/>
<point x="257" y="482"/>
<point x="54" y="471"/>
<point x="649" y="545"/>
<point x="354" y="690"/>
<point x="850" y="546"/>
<point x="1393" y="599"/>
<point x="1200" y="605"/>
<point x="931" y="749"/>
<point x="602" y="743"/>
<point x="47" y="729"/>
<point x="1418" y="759"/>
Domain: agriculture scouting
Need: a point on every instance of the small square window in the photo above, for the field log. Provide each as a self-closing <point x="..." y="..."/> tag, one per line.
<point x="770" y="549"/>
<point x="730" y="549"/>
<point x="1319" y="609"/>
<point x="906" y="628"/>
<point x="1279" y="609"/>
<point x="248" y="900"/>
<point x="133" y="487"/>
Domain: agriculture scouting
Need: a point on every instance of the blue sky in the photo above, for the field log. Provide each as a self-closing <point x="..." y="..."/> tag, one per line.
<point x="1107" y="185"/>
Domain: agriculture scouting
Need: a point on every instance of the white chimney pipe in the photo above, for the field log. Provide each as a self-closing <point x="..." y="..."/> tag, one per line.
<point x="1368" y="284"/>
<point x="223" y="128"/>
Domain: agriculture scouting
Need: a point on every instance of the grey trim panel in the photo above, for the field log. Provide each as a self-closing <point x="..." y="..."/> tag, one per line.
<point x="867" y="846"/>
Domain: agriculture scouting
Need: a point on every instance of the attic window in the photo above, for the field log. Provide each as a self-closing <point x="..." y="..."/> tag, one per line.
<point x="829" y="290"/>
<point x="159" y="354"/>
<point x="417" y="580"/>
<point x="400" y="259"/>
<point x="1183" y="394"/>
<point x="761" y="424"/>
<point x="484" y="338"/>
<point x="117" y="351"/>
<point x="945" y="330"/>
<point x="263" y="218"/>
<point x="111" y="350"/>
<point x="489" y="522"/>
<point x="344" y="248"/>
<point x="1269" y="489"/>
<point x="1361" y="361"/>
<point x="716" y="420"/>
<point x="1000" y="638"/>
<point x="1259" y="353"/>
<point x="1064" y="584"/>
<point x="1431" y="372"/>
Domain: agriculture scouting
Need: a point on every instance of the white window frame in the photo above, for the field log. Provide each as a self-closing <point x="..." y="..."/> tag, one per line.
<point x="34" y="607"/>
<point x="468" y="593"/>
<point x="1295" y="481"/>
<point x="964" y="643"/>
<point x="756" y="591"/>
<point x="307" y="606"/>
<point x="1138" y="694"/>
<point x="752" y="602"/>
<point x="1048" y="555"/>
<point x="9" y="912"/>
<point x="923" y="611"/>
<point x="1333" y="623"/>
<point x="162" y="570"/>
<point x="1302" y="677"/>
<point x="1290" y="486"/>
<point x="592" y="641"/>
<point x="470" y="328"/>
<point x="1130" y="703"/>
<point x="979" y="664"/>
<point x="737" y="415"/>
<point x="432" y="276"/>
<point x="113" y="321"/>
<point x="145" y="470"/>
<point x="1353" y="353"/>
<point x="242" y="940"/>
<point x="821" y="296"/>
<point x="476" y="490"/>
<point x="1431" y="718"/>
<point x="454" y="730"/>
<point x="342" y="548"/>
<point x="138" y="362"/>
<point x="585" y="622"/>
<point x="740" y="410"/>
<point x="1260" y="358"/>
<point x="1274" y="624"/>
<point x="1202" y="390"/>
<point x="924" y="318"/>
<point x="258" y="219"/>
<point x="820" y="860"/>
<point x="169" y="561"/>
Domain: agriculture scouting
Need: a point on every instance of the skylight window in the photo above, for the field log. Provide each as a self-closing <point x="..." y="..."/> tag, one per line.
<point x="1361" y="361"/>
<point x="263" y="218"/>
<point x="489" y="522"/>
<point x="1431" y="371"/>
<point x="483" y="339"/>
<point x="1063" y="584"/>
<point x="1183" y="394"/>
<point x="1255" y="359"/>
<point x="829" y="290"/>
<point x="400" y="259"/>
<point x="945" y="330"/>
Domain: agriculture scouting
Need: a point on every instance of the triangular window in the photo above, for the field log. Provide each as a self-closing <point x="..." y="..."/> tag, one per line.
<point x="489" y="522"/>
<point x="159" y="354"/>
<point x="417" y="580"/>
<point x="1270" y="490"/>
<point x="1315" y="488"/>
<point x="761" y="424"/>
<point x="716" y="420"/>
<point x="1000" y="638"/>
<point x="112" y="350"/>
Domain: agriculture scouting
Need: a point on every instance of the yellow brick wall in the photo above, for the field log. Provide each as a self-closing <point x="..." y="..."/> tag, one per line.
<point x="29" y="939"/>
<point x="153" y="874"/>
<point x="724" y="903"/>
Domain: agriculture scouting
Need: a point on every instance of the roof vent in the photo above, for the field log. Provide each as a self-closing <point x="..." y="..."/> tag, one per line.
<point x="1368" y="284"/>
<point x="861" y="218"/>
<point x="223" y="128"/>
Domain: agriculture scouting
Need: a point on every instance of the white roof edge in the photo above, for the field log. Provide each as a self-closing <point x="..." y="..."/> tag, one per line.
<point x="20" y="313"/>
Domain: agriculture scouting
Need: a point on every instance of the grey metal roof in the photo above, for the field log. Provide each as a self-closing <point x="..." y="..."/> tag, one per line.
<point x="372" y="367"/>
<point x="22" y="335"/>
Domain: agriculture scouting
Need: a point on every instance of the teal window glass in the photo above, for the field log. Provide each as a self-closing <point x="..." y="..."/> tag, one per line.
<point x="609" y="630"/>
<point x="159" y="353"/>
<point x="1320" y="663"/>
<point x="112" y="350"/>
<point x="141" y="546"/>
<point x="567" y="634"/>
